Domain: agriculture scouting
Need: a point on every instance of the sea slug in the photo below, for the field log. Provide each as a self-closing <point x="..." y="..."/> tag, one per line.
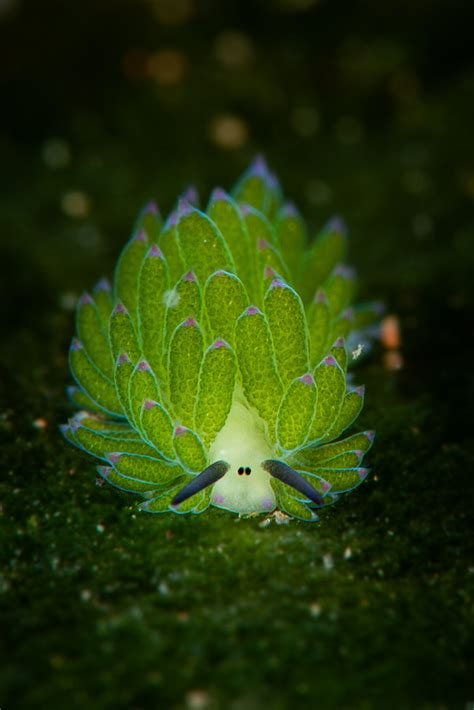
<point x="214" y="370"/>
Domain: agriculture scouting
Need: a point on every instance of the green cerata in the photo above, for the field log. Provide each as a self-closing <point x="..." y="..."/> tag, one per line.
<point x="214" y="370"/>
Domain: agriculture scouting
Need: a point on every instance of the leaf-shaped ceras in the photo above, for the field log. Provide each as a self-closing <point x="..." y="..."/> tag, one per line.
<point x="214" y="371"/>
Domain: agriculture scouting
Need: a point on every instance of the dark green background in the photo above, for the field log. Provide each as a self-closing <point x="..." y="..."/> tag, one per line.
<point x="365" y="109"/>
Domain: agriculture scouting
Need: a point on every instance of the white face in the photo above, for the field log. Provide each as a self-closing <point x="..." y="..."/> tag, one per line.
<point x="245" y="488"/>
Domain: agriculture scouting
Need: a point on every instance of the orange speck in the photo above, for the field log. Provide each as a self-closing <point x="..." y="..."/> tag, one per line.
<point x="234" y="49"/>
<point x="134" y="64"/>
<point x="228" y="131"/>
<point x="167" y="66"/>
<point x="393" y="360"/>
<point x="390" y="332"/>
<point x="75" y="203"/>
<point x="40" y="423"/>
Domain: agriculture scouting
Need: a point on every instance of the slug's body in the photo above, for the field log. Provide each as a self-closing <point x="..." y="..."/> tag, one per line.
<point x="214" y="371"/>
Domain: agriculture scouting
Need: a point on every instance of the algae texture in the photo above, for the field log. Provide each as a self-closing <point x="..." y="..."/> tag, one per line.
<point x="364" y="112"/>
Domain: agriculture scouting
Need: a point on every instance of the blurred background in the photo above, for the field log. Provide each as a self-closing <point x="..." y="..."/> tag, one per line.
<point x="364" y="109"/>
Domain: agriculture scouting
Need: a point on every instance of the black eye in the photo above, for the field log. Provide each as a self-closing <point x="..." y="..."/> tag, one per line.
<point x="240" y="471"/>
<point x="248" y="471"/>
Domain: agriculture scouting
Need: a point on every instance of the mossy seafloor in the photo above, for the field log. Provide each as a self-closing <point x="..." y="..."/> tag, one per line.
<point x="103" y="607"/>
<point x="109" y="608"/>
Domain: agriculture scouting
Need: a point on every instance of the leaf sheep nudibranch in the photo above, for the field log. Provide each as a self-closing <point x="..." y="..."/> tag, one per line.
<point x="214" y="370"/>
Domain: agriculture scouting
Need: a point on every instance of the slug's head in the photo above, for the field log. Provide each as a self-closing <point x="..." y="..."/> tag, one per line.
<point x="243" y="469"/>
<point x="236" y="490"/>
<point x="239" y="481"/>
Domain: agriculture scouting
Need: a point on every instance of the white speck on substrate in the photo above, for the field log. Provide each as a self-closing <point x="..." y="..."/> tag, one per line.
<point x="163" y="588"/>
<point x="328" y="562"/>
<point x="55" y="152"/>
<point x="315" y="609"/>
<point x="4" y="584"/>
<point x="75" y="203"/>
<point x="197" y="699"/>
<point x="277" y="516"/>
<point x="347" y="553"/>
